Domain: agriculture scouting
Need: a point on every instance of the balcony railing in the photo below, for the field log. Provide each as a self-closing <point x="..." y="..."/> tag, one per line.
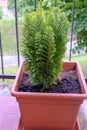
<point x="3" y="75"/>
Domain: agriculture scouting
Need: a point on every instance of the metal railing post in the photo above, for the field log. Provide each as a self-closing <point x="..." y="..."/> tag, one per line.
<point x="17" y="35"/>
<point x="35" y="4"/>
<point x="72" y="29"/>
<point x="2" y="63"/>
<point x="55" y="2"/>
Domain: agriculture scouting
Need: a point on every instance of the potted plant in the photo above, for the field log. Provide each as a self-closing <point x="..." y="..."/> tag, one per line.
<point x="43" y="47"/>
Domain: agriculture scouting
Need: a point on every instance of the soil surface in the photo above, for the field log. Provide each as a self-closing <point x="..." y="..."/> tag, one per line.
<point x="68" y="83"/>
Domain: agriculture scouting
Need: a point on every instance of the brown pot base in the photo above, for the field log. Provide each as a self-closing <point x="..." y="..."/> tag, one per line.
<point x="77" y="127"/>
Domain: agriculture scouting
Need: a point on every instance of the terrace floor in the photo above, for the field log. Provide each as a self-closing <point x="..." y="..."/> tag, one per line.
<point x="10" y="115"/>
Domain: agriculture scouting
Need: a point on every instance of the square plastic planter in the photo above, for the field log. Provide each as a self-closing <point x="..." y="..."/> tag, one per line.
<point x="50" y="111"/>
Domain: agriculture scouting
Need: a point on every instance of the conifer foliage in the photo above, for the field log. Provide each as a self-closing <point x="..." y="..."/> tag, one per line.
<point x="44" y="45"/>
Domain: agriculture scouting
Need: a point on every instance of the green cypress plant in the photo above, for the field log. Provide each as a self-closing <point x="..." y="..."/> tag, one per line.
<point x="44" y="45"/>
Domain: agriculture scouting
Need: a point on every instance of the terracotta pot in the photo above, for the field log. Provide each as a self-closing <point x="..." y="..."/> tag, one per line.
<point x="43" y="111"/>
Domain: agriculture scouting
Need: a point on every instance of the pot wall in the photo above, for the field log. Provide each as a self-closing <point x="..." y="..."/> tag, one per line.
<point x="61" y="114"/>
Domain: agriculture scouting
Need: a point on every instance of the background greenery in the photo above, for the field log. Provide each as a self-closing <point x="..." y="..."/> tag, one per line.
<point x="80" y="22"/>
<point x="8" y="36"/>
<point x="82" y="59"/>
<point x="80" y="28"/>
<point x="9" y="70"/>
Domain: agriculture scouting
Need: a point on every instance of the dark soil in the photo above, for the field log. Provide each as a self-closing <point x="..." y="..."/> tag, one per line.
<point x="68" y="83"/>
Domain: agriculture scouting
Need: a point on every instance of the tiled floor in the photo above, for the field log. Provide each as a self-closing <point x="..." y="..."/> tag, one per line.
<point x="83" y="116"/>
<point x="9" y="113"/>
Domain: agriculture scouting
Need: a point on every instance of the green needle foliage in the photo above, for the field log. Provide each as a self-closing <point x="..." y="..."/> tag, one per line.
<point x="44" y="45"/>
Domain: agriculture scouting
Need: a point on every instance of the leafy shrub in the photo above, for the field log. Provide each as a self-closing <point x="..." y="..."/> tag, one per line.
<point x="44" y="45"/>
